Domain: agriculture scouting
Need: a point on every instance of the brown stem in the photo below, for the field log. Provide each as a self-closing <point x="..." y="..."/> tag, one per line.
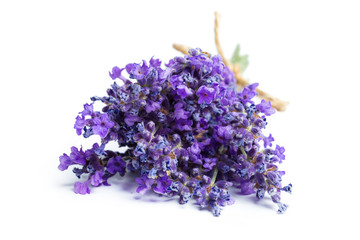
<point x="181" y="48"/>
<point x="217" y="41"/>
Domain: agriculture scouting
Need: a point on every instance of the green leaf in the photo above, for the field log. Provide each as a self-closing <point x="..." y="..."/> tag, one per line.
<point x="236" y="58"/>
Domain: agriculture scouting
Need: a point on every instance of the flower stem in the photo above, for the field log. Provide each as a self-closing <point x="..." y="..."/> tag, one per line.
<point x="153" y="133"/>
<point x="213" y="179"/>
<point x="243" y="152"/>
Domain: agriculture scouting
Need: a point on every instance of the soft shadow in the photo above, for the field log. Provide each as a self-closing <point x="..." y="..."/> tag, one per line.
<point x="126" y="183"/>
<point x="129" y="185"/>
<point x="266" y="202"/>
<point x="154" y="198"/>
<point x="67" y="185"/>
<point x="194" y="204"/>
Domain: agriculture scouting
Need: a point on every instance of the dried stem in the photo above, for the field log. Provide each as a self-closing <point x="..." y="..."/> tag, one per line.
<point x="278" y="104"/>
<point x="181" y="48"/>
<point x="213" y="179"/>
<point x="217" y="41"/>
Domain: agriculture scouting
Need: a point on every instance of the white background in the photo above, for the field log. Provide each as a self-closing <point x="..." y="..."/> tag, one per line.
<point x="55" y="55"/>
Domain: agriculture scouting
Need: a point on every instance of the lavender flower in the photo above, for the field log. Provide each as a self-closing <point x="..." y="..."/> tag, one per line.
<point x="97" y="178"/>
<point x="82" y="188"/>
<point x="116" y="165"/>
<point x="268" y="140"/>
<point x="209" y="164"/>
<point x="65" y="162"/>
<point x="265" y="107"/>
<point x="183" y="91"/>
<point x="205" y="94"/>
<point x="136" y="71"/>
<point x="144" y="184"/>
<point x="79" y="124"/>
<point x="102" y="125"/>
<point x="163" y="183"/>
<point x="187" y="132"/>
<point x="115" y="73"/>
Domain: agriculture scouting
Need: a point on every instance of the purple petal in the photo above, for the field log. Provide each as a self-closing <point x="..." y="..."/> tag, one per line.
<point x="247" y="188"/>
<point x="97" y="179"/>
<point x="100" y="130"/>
<point x="82" y="188"/>
<point x="130" y="120"/>
<point x="183" y="91"/>
<point x="116" y="72"/>
<point x="65" y="162"/>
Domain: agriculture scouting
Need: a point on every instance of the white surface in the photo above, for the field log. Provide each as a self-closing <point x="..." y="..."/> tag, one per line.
<point x="55" y="55"/>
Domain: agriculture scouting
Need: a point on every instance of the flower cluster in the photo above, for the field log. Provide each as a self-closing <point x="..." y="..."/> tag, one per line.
<point x="187" y="132"/>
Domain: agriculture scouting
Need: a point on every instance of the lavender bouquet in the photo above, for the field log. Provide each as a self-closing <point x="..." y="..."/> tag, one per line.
<point x="187" y="132"/>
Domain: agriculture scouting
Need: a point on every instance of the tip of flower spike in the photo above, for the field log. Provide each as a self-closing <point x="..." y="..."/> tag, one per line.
<point x="216" y="210"/>
<point x="282" y="208"/>
<point x="287" y="188"/>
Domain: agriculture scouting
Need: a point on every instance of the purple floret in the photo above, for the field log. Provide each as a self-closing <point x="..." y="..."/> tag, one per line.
<point x="65" y="162"/>
<point x="209" y="164"/>
<point x="183" y="91"/>
<point x="144" y="184"/>
<point x="279" y="152"/>
<point x="97" y="178"/>
<point x="268" y="140"/>
<point x="179" y="112"/>
<point x="116" y="72"/>
<point x="102" y="125"/>
<point x="265" y="107"/>
<point x="162" y="184"/>
<point x="205" y="94"/>
<point x="116" y="165"/>
<point x="137" y="71"/>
